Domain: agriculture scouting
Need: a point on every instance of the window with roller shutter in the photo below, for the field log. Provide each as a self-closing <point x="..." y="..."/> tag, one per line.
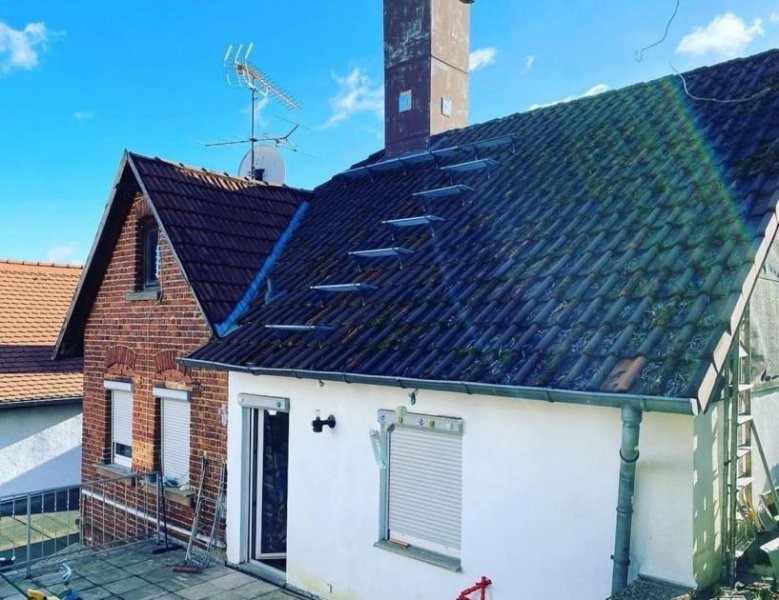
<point x="175" y="412"/>
<point x="424" y="483"/>
<point x="121" y="422"/>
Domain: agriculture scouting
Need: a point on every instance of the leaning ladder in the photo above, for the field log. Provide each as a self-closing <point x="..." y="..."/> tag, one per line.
<point x="740" y="514"/>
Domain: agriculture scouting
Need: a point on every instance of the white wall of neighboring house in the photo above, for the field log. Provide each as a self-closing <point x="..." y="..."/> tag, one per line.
<point x="765" y="414"/>
<point x="40" y="448"/>
<point x="539" y="495"/>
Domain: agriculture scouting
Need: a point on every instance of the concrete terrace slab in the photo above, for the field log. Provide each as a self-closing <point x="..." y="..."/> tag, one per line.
<point x="134" y="573"/>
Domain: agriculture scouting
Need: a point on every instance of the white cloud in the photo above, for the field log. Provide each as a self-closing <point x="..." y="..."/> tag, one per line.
<point x="259" y="106"/>
<point x="482" y="57"/>
<point x="775" y="17"/>
<point x="529" y="62"/>
<point x="727" y="34"/>
<point x="596" y="89"/>
<point x="356" y="93"/>
<point x="83" y="115"/>
<point x="64" y="253"/>
<point x="19" y="47"/>
<point x="593" y="91"/>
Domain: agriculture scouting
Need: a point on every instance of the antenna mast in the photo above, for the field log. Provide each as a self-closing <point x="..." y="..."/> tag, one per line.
<point x="241" y="72"/>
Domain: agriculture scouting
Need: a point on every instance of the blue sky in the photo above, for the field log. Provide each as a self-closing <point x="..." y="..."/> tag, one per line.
<point x="81" y="81"/>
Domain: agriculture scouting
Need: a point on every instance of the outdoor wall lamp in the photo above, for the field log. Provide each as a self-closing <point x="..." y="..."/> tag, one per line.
<point x="318" y="423"/>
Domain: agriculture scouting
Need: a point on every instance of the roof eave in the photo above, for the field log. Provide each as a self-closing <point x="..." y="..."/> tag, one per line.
<point x="65" y="331"/>
<point x="41" y="402"/>
<point x="720" y="356"/>
<point x="680" y="406"/>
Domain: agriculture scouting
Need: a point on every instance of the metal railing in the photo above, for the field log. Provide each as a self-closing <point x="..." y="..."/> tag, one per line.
<point x="63" y="523"/>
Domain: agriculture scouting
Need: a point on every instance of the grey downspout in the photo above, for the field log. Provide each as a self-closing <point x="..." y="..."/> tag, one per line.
<point x="628" y="454"/>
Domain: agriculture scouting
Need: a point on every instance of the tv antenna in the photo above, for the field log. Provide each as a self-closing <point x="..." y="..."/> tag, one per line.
<point x="280" y="141"/>
<point x="239" y="71"/>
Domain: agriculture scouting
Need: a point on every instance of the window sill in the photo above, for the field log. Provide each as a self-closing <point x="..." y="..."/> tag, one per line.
<point x="112" y="471"/>
<point x="179" y="496"/>
<point x="173" y="494"/>
<point x="433" y="558"/>
<point x="766" y="386"/>
<point x="150" y="294"/>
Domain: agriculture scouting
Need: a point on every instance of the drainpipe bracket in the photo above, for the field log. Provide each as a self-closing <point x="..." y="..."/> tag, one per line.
<point x="626" y="460"/>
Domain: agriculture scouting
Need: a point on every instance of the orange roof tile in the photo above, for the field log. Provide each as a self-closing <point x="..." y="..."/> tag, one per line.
<point x="34" y="298"/>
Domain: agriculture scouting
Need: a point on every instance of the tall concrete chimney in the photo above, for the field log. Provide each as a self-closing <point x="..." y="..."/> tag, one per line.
<point x="426" y="46"/>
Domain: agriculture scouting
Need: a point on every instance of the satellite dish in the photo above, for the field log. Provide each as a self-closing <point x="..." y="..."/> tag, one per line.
<point x="268" y="165"/>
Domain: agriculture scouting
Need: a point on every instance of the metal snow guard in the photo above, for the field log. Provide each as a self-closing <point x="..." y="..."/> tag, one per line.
<point x="389" y="164"/>
<point x="494" y="142"/>
<point x="450" y="190"/>
<point x="472" y="165"/>
<point x="413" y="221"/>
<point x="381" y="252"/>
<point x="320" y="331"/>
<point x="340" y="288"/>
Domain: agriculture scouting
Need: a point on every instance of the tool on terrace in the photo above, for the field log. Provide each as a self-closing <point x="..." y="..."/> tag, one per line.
<point x="481" y="586"/>
<point x="162" y="509"/>
<point x="33" y="594"/>
<point x="218" y="511"/>
<point x="189" y="566"/>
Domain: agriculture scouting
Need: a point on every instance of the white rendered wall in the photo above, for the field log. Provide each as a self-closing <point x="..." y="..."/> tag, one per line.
<point x="40" y="448"/>
<point x="539" y="495"/>
<point x="662" y="537"/>
<point x="707" y="495"/>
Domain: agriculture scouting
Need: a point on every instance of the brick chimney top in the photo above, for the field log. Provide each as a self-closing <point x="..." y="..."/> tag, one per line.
<point x="426" y="46"/>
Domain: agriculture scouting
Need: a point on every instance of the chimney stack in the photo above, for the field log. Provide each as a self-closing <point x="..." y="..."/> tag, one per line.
<point x="426" y="47"/>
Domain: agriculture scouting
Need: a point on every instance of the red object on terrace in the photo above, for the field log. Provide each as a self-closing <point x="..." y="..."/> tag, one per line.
<point x="480" y="586"/>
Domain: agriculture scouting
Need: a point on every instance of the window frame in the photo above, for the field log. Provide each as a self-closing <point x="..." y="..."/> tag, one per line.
<point x="150" y="257"/>
<point x="405" y="101"/>
<point x="415" y="547"/>
<point x="167" y="395"/>
<point x="114" y="388"/>
<point x="447" y="107"/>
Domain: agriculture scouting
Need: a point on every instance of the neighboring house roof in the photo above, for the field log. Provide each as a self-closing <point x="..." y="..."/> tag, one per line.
<point x="221" y="230"/>
<point x="610" y="247"/>
<point x="34" y="298"/>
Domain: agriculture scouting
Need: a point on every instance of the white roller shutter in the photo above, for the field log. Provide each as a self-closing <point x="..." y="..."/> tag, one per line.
<point x="175" y="440"/>
<point x="425" y="489"/>
<point x="121" y="427"/>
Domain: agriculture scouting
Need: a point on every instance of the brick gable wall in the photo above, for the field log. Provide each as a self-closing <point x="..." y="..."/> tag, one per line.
<point x="139" y="340"/>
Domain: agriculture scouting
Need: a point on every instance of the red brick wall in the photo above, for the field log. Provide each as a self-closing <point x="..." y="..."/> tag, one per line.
<point x="139" y="340"/>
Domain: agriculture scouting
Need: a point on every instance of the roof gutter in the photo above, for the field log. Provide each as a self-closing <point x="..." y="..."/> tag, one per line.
<point x="41" y="402"/>
<point x="679" y="406"/>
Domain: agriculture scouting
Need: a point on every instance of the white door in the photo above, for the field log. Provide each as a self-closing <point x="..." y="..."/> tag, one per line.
<point x="270" y="459"/>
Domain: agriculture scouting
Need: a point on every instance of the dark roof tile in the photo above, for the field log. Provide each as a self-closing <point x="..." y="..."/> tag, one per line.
<point x="607" y="250"/>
